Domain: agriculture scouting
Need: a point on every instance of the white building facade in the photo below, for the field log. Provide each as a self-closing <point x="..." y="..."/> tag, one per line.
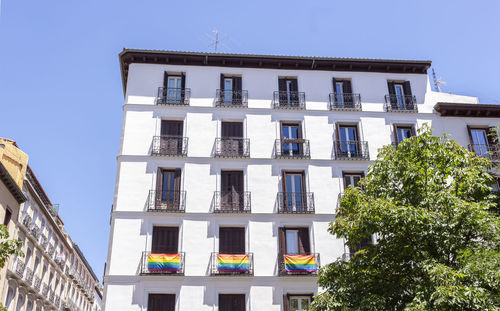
<point x="230" y="168"/>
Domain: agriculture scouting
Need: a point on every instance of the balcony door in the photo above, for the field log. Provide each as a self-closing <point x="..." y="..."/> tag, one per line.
<point x="168" y="188"/>
<point x="480" y="140"/>
<point x="231" y="240"/>
<point x="400" y="95"/>
<point x="348" y="140"/>
<point x="343" y="93"/>
<point x="161" y="302"/>
<point x="232" y="302"/>
<point x="173" y="88"/>
<point x="230" y="90"/>
<point x="165" y="240"/>
<point x="171" y="137"/>
<point x="294" y="241"/>
<point x="288" y="91"/>
<point x="294" y="194"/>
<point x="232" y="138"/>
<point x="232" y="197"/>
<point x="291" y="136"/>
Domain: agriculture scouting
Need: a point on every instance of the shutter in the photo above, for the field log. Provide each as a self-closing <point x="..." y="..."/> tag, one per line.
<point x="295" y="86"/>
<point x="286" y="303"/>
<point x="469" y="131"/>
<point x="392" y="89"/>
<point x="407" y="88"/>
<point x="346" y="87"/>
<point x="165" y="85"/>
<point x="222" y="82"/>
<point x="177" y="180"/>
<point x="240" y="246"/>
<point x="159" y="185"/>
<point x="8" y="216"/>
<point x="334" y="82"/>
<point x="283" y="181"/>
<point x="492" y="135"/>
<point x="281" y="240"/>
<point x="282" y="85"/>
<point x="304" y="243"/>
<point x="223" y="241"/>
<point x="161" y="302"/>
<point x="237" y="84"/>
<point x="396" y="137"/>
<point x="183" y="87"/>
<point x="165" y="240"/>
<point x="413" y="133"/>
<point x="231" y="240"/>
<point x="171" y="128"/>
<point x="172" y="243"/>
<point x="155" y="241"/>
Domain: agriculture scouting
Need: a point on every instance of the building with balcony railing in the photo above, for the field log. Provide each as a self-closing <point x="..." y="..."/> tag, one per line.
<point x="38" y="281"/>
<point x="222" y="225"/>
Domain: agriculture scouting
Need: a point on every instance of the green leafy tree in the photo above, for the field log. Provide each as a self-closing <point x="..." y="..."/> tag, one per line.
<point x="7" y="248"/>
<point x="430" y="206"/>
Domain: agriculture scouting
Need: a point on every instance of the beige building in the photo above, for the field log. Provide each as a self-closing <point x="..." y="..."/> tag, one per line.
<point x="53" y="274"/>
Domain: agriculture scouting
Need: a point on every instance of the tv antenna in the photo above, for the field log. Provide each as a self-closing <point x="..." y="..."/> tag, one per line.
<point x="216" y="40"/>
<point x="437" y="82"/>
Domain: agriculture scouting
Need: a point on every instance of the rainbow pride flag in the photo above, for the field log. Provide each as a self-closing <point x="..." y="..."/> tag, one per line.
<point x="233" y="263"/>
<point x="300" y="263"/>
<point x="164" y="262"/>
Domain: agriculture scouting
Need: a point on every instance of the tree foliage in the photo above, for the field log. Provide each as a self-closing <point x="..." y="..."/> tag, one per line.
<point x="7" y="248"/>
<point x="430" y="205"/>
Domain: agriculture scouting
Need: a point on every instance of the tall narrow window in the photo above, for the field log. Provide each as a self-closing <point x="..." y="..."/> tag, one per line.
<point x="171" y="137"/>
<point x="232" y="138"/>
<point x="7" y="217"/>
<point x="343" y="93"/>
<point x="484" y="142"/>
<point x="231" y="240"/>
<point x="400" y="97"/>
<point x="352" y="179"/>
<point x="402" y="132"/>
<point x="165" y="240"/>
<point x="174" y="89"/>
<point x="288" y="92"/>
<point x="230" y="90"/>
<point x="348" y="140"/>
<point x="294" y="194"/>
<point x="232" y="197"/>
<point x="168" y="189"/>
<point x="291" y="136"/>
<point x="232" y="302"/>
<point x="161" y="302"/>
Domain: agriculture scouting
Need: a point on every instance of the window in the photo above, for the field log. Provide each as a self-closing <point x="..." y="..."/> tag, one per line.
<point x="343" y="93"/>
<point x="400" y="99"/>
<point x="7" y="217"/>
<point x="231" y="138"/>
<point x="173" y="88"/>
<point x="294" y="194"/>
<point x="168" y="189"/>
<point x="483" y="141"/>
<point x="165" y="240"/>
<point x="288" y="91"/>
<point x="297" y="302"/>
<point x="352" y="179"/>
<point x="294" y="241"/>
<point x="402" y="132"/>
<point x="400" y="96"/>
<point x="230" y="90"/>
<point x="171" y="141"/>
<point x="161" y="302"/>
<point x="232" y="302"/>
<point x="232" y="196"/>
<point x="348" y="141"/>
<point x="231" y="240"/>
<point x="291" y="137"/>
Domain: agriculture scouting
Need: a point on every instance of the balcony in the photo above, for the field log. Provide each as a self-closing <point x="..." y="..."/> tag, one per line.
<point x="45" y="290"/>
<point x="35" y="231"/>
<point x="292" y="148"/>
<point x="351" y="150"/>
<point x="162" y="264"/>
<point x="169" y="146"/>
<point x="399" y="103"/>
<point x="43" y="241"/>
<point x="37" y="282"/>
<point x="57" y="301"/>
<point x="231" y="99"/>
<point x="298" y="265"/>
<point x="52" y="296"/>
<point x="295" y="202"/>
<point x="19" y="267"/>
<point x="231" y="264"/>
<point x="345" y="102"/>
<point x="491" y="152"/>
<point x="51" y="250"/>
<point x="289" y="100"/>
<point x="173" y="96"/>
<point x="28" y="276"/>
<point x="232" y="202"/>
<point x="167" y="201"/>
<point x="27" y="221"/>
<point x="232" y="147"/>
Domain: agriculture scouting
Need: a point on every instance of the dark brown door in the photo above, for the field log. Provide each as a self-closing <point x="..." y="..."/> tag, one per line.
<point x="232" y="197"/>
<point x="165" y="240"/>
<point x="171" y="137"/>
<point x="232" y="302"/>
<point x="168" y="185"/>
<point x="232" y="240"/>
<point x="232" y="138"/>
<point x="161" y="302"/>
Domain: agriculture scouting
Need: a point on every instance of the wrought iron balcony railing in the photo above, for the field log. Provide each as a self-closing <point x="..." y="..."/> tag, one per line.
<point x="166" y="201"/>
<point x="43" y="241"/>
<point x="37" y="282"/>
<point x="295" y="202"/>
<point x="233" y="99"/>
<point x="51" y="250"/>
<point x="296" y="148"/>
<point x="351" y="150"/>
<point x="231" y="264"/>
<point x="26" y="221"/>
<point x="345" y="101"/>
<point x="232" y="147"/>
<point x="491" y="152"/>
<point x="52" y="296"/>
<point x="19" y="267"/>
<point x="28" y="276"/>
<point x="289" y="100"/>
<point x="174" y="264"/>
<point x="232" y="202"/>
<point x="35" y="231"/>
<point x="45" y="290"/>
<point x="399" y="103"/>
<point x="173" y="96"/>
<point x="170" y="146"/>
<point x="292" y="267"/>
<point x="57" y="301"/>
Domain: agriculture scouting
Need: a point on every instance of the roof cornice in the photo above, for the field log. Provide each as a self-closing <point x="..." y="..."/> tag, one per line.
<point x="467" y="110"/>
<point x="129" y="56"/>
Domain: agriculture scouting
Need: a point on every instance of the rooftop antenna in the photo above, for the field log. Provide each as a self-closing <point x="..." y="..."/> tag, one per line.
<point x="437" y="82"/>
<point x="215" y="41"/>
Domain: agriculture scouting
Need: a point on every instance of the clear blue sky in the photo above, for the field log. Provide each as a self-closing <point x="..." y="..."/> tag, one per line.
<point x="60" y="90"/>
